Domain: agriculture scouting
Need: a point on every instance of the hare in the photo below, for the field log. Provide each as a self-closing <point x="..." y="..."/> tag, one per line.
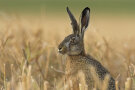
<point x="73" y="47"/>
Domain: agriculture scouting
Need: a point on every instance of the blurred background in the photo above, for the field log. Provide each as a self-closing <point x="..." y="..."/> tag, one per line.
<point x="31" y="30"/>
<point x="121" y="12"/>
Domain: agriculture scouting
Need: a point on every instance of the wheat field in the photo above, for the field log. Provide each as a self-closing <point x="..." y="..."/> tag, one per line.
<point x="28" y="50"/>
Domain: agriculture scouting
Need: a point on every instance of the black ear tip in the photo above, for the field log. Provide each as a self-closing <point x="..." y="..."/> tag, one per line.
<point x="87" y="8"/>
<point x="67" y="8"/>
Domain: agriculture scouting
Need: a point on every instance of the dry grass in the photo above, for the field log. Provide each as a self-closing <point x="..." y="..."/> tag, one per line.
<point x="29" y="59"/>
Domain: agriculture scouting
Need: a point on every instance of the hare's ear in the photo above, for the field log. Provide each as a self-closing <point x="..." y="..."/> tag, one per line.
<point x="73" y="22"/>
<point x="85" y="15"/>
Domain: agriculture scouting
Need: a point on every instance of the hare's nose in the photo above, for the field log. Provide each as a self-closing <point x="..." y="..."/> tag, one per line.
<point x="59" y="49"/>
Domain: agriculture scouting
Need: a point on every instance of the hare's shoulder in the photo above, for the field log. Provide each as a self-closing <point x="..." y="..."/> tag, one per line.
<point x="99" y="68"/>
<point x="101" y="71"/>
<point x="85" y="63"/>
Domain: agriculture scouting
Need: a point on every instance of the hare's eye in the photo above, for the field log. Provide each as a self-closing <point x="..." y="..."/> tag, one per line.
<point x="73" y="40"/>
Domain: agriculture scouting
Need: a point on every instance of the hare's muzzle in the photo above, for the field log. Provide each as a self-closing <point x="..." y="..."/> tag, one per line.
<point x="60" y="49"/>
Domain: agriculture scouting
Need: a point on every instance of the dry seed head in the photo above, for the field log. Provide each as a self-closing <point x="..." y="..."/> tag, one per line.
<point x="94" y="89"/>
<point x="4" y="76"/>
<point x="71" y="84"/>
<point x="105" y="82"/>
<point x="82" y="80"/>
<point x="8" y="86"/>
<point x="117" y="85"/>
<point x="98" y="83"/>
<point x="128" y="84"/>
<point x="20" y="86"/>
<point x="29" y="71"/>
<point x="46" y="85"/>
<point x="80" y="86"/>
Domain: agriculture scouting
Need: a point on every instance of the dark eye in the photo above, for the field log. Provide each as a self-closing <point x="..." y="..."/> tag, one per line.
<point x="73" y="40"/>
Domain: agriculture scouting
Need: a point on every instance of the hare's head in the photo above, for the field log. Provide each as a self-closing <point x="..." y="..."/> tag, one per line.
<point x="73" y="43"/>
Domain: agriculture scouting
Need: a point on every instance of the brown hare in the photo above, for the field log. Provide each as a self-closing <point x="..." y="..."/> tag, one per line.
<point x="73" y="47"/>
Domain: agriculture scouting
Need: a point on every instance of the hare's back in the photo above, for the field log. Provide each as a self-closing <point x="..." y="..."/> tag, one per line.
<point x="101" y="71"/>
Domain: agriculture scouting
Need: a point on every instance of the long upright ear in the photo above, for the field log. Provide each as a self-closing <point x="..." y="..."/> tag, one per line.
<point x="85" y="20"/>
<point x="73" y="22"/>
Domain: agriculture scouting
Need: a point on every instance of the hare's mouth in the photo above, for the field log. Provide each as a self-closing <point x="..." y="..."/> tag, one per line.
<point x="61" y="51"/>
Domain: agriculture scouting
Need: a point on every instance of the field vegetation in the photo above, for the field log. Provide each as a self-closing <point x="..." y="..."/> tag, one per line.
<point x="28" y="51"/>
<point x="29" y="59"/>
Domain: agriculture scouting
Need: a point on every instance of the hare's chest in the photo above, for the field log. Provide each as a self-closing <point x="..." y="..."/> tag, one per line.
<point x="74" y="66"/>
<point x="76" y="70"/>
